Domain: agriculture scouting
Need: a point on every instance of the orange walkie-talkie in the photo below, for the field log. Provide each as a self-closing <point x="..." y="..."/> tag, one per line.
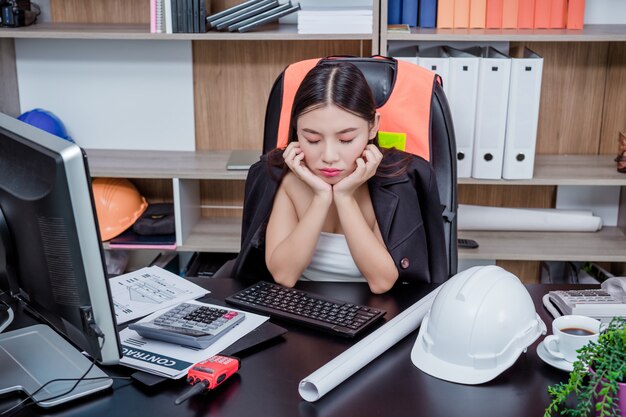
<point x="208" y="374"/>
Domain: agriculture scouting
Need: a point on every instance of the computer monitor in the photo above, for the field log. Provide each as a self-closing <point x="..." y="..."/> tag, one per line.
<point x="51" y="258"/>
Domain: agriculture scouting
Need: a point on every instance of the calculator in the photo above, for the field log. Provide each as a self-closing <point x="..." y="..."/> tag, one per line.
<point x="195" y="325"/>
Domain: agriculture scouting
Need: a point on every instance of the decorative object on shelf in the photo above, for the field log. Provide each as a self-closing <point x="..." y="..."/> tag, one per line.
<point x="18" y="13"/>
<point x="621" y="156"/>
<point x="598" y="379"/>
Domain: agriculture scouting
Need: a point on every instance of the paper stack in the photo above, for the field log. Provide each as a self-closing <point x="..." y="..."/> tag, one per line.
<point x="345" y="16"/>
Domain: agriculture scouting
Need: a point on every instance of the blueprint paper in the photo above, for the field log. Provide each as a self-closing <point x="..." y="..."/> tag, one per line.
<point x="147" y="290"/>
<point x="320" y="382"/>
<point x="472" y="217"/>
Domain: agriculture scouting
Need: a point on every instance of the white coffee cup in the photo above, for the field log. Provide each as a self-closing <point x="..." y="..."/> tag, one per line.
<point x="570" y="333"/>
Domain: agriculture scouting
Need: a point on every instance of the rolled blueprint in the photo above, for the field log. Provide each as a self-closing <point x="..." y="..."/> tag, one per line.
<point x="320" y="382"/>
<point x="526" y="220"/>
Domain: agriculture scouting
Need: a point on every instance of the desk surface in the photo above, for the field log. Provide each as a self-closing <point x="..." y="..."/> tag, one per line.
<point x="389" y="386"/>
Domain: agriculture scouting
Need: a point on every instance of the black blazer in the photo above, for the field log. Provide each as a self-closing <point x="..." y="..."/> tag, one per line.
<point x="407" y="208"/>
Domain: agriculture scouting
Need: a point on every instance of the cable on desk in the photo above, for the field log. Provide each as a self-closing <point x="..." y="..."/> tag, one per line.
<point x="16" y="408"/>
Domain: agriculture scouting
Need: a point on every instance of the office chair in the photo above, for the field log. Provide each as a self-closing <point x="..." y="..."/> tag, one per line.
<point x="433" y="138"/>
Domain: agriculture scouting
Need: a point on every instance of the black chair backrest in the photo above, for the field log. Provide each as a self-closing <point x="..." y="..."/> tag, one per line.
<point x="381" y="76"/>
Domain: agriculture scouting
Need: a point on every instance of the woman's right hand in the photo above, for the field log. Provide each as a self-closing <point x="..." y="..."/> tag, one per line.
<point x="294" y="158"/>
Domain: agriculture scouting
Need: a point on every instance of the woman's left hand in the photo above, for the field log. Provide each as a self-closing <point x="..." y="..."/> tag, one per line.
<point x="366" y="167"/>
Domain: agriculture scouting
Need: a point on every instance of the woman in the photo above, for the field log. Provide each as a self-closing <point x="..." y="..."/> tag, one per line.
<point x="336" y="207"/>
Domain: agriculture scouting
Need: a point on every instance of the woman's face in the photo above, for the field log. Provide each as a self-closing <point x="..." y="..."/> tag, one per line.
<point x="332" y="139"/>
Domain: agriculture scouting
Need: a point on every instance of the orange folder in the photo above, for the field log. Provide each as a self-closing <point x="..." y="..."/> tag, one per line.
<point x="478" y="13"/>
<point x="575" y="14"/>
<point x="461" y="13"/>
<point x="542" y="14"/>
<point x="509" y="14"/>
<point x="445" y="13"/>
<point x="526" y="14"/>
<point x="558" y="12"/>
<point x="494" y="14"/>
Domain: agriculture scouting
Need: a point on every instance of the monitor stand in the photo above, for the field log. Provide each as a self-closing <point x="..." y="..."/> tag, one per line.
<point x="34" y="355"/>
<point x="6" y="315"/>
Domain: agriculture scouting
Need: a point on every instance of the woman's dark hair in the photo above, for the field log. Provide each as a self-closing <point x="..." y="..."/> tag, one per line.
<point x="338" y="83"/>
<point x="342" y="84"/>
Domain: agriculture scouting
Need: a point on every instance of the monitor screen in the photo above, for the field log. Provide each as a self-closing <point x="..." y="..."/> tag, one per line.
<point x="49" y="238"/>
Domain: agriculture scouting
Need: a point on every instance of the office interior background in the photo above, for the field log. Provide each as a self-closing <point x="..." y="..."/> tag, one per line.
<point x="126" y="95"/>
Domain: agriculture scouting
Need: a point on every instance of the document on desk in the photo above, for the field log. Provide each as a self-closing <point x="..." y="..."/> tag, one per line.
<point x="173" y="361"/>
<point x="147" y="290"/>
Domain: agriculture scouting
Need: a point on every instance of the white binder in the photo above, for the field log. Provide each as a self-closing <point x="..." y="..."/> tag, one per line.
<point x="436" y="60"/>
<point x="491" y="108"/>
<point x="523" y="114"/>
<point x="462" y="85"/>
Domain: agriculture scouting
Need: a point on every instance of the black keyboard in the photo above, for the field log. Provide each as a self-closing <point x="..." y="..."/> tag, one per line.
<point x="302" y="307"/>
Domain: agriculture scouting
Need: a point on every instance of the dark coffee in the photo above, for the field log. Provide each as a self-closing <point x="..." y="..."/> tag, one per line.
<point x="576" y="331"/>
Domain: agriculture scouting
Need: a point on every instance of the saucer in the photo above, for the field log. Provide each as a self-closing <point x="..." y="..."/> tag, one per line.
<point x="552" y="361"/>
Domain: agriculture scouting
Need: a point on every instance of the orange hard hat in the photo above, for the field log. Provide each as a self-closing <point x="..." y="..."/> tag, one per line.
<point x="118" y="205"/>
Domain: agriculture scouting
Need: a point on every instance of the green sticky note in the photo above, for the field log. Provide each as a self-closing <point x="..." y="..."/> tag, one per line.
<point x="392" y="140"/>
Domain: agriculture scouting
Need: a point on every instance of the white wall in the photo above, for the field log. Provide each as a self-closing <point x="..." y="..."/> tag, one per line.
<point x="112" y="94"/>
<point x="605" y="11"/>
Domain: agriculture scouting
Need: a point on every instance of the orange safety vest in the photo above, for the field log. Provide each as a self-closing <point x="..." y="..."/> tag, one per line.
<point x="406" y="111"/>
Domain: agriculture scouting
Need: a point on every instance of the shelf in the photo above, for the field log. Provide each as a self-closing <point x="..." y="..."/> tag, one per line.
<point x="211" y="165"/>
<point x="223" y="234"/>
<point x="590" y="33"/>
<point x="606" y="245"/>
<point x="142" y="32"/>
<point x="208" y="165"/>
<point x="565" y="170"/>
<point x="215" y="234"/>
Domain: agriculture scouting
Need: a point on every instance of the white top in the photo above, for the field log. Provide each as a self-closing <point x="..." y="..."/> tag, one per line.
<point x="332" y="261"/>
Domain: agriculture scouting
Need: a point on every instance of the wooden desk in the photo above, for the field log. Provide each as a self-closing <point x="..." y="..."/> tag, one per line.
<point x="390" y="386"/>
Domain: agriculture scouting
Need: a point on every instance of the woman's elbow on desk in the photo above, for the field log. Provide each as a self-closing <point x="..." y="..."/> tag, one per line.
<point x="382" y="284"/>
<point x="284" y="278"/>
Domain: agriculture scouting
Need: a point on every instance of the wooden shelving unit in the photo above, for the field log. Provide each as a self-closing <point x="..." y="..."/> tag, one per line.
<point x="582" y="99"/>
<point x="198" y="165"/>
<point x="222" y="234"/>
<point x="142" y="32"/>
<point x="606" y="245"/>
<point x="575" y="146"/>
<point x="211" y="165"/>
<point x="590" y="33"/>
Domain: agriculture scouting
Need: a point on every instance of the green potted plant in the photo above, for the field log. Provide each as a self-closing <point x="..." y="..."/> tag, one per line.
<point x="598" y="380"/>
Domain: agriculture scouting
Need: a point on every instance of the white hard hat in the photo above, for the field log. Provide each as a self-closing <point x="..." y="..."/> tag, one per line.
<point x="481" y="320"/>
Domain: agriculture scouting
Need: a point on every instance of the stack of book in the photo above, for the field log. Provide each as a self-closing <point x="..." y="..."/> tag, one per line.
<point x="179" y="16"/>
<point x="193" y="16"/>
<point x="490" y="14"/>
<point x="338" y="16"/>
<point x="249" y="15"/>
